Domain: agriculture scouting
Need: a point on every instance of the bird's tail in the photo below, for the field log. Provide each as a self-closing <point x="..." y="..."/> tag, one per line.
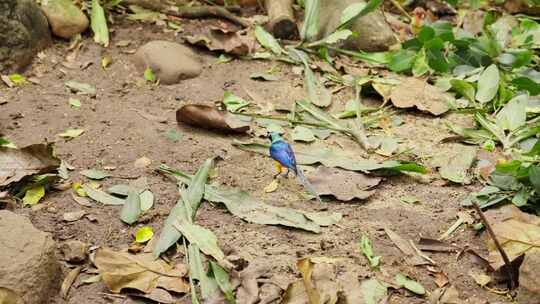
<point x="304" y="181"/>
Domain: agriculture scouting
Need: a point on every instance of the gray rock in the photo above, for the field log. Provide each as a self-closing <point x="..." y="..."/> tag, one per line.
<point x="65" y="18"/>
<point x="374" y="33"/>
<point x="23" y="32"/>
<point x="171" y="62"/>
<point x="28" y="266"/>
<point x="74" y="251"/>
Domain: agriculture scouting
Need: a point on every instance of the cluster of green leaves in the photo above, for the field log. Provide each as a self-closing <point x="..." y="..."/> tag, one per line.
<point x="517" y="181"/>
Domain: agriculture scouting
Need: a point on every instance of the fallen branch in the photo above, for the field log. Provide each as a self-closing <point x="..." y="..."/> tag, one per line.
<point x="512" y="283"/>
<point x="188" y="12"/>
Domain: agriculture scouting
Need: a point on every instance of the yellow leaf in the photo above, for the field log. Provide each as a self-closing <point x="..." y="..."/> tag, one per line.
<point x="33" y="195"/>
<point x="144" y="234"/>
<point x="272" y="186"/>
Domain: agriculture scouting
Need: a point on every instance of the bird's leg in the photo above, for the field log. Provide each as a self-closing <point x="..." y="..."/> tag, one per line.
<point x="286" y="174"/>
<point x="279" y="167"/>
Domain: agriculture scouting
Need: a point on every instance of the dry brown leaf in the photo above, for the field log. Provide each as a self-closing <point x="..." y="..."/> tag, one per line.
<point x="319" y="280"/>
<point x="411" y="256"/>
<point x="157" y="295"/>
<point x="73" y="216"/>
<point x="427" y="244"/>
<point x="414" y="92"/>
<point x="529" y="289"/>
<point x="248" y="291"/>
<point x="210" y="118"/>
<point x="440" y="279"/>
<point x="120" y="270"/>
<point x="230" y="42"/>
<point x="19" y="163"/>
<point x="517" y="232"/>
<point x="342" y="184"/>
<point x="68" y="281"/>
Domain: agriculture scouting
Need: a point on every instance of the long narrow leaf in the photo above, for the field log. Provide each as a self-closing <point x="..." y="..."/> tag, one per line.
<point x="355" y="11"/>
<point x="99" y="24"/>
<point x="310" y="28"/>
<point x="185" y="209"/>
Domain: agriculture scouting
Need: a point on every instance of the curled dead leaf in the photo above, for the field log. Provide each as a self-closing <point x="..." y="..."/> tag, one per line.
<point x="142" y="272"/>
<point x="344" y="185"/>
<point x="19" y="163"/>
<point x="210" y="118"/>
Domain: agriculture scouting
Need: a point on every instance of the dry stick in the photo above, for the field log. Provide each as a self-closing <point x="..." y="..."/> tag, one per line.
<point x="189" y="12"/>
<point x="511" y="280"/>
<point x="401" y="9"/>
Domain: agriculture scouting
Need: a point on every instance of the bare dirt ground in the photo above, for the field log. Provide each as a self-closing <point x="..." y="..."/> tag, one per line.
<point x="116" y="135"/>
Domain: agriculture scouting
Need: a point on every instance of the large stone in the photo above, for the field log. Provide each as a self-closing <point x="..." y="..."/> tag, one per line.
<point x="23" y="32"/>
<point x="522" y="7"/>
<point x="171" y="62"/>
<point x="29" y="270"/>
<point x="373" y="32"/>
<point x="65" y="18"/>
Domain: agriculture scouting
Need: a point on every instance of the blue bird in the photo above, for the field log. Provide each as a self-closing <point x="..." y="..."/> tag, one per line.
<point x="283" y="154"/>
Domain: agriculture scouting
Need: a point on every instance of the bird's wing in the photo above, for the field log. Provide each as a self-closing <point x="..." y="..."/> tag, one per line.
<point x="283" y="153"/>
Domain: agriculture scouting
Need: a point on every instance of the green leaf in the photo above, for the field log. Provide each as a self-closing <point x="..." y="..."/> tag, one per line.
<point x="464" y="88"/>
<point x="185" y="208"/>
<point x="488" y="84"/>
<point x="301" y="133"/>
<point x="356" y="10"/>
<point x="95" y="174"/>
<point x="144" y="234"/>
<point x="402" y="60"/>
<point x="527" y="84"/>
<point x="204" y="238"/>
<point x="310" y="27"/>
<point x="6" y="143"/>
<point x="455" y="164"/>
<point x="101" y="196"/>
<point x="222" y="279"/>
<point x="223" y="58"/>
<point x="373" y="291"/>
<point x="534" y="177"/>
<point x="420" y="65"/>
<point x="425" y="34"/>
<point x="233" y="102"/>
<point x="132" y="207"/>
<point x="147" y="200"/>
<point x="81" y="87"/>
<point x="209" y="287"/>
<point x="33" y="195"/>
<point x="71" y="133"/>
<point x="514" y="114"/>
<point x="317" y="93"/>
<point x="409" y="284"/>
<point x="74" y="103"/>
<point x="99" y="24"/>
<point x="149" y="75"/>
<point x="337" y="36"/>
<point x="267" y="40"/>
<point x="120" y="190"/>
<point x="367" y="249"/>
<point x="17" y="79"/>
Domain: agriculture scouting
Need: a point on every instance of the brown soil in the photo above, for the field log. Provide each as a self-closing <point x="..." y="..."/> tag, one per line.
<point x="116" y="136"/>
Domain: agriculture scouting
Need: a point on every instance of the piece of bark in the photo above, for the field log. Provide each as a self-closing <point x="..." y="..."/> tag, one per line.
<point x="281" y="16"/>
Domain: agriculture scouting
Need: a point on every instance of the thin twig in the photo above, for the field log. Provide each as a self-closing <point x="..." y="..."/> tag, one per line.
<point x="511" y="280"/>
<point x="401" y="9"/>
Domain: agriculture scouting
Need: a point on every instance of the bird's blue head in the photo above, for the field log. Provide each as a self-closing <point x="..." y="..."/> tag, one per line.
<point x="274" y="137"/>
